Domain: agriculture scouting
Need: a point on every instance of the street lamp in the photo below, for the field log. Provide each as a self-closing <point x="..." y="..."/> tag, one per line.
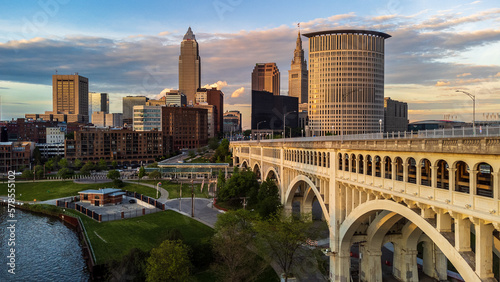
<point x="302" y="131"/>
<point x="473" y="97"/>
<point x="284" y="122"/>
<point x="380" y="124"/>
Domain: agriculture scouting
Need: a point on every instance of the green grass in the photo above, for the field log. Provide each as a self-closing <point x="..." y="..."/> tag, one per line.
<point x="47" y="190"/>
<point x="145" y="232"/>
<point x="173" y="189"/>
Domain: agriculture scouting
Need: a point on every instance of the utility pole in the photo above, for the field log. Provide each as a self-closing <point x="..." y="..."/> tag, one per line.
<point x="192" y="198"/>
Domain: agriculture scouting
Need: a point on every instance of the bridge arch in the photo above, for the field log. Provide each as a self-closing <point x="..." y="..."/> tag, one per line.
<point x="293" y="186"/>
<point x="363" y="211"/>
<point x="244" y="164"/>
<point x="271" y="173"/>
<point x="257" y="170"/>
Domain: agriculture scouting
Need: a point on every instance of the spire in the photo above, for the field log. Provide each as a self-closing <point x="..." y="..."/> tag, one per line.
<point x="299" y="43"/>
<point x="189" y="35"/>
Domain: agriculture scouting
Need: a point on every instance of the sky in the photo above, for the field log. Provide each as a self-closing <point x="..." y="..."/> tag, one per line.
<point x="132" y="48"/>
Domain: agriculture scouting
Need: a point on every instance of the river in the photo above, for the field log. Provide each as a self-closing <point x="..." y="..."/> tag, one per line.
<point x="45" y="249"/>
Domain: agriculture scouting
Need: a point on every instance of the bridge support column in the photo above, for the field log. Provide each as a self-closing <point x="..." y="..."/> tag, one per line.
<point x="287" y="209"/>
<point x="371" y="265"/>
<point x="441" y="264"/>
<point x="443" y="222"/>
<point x="484" y="249"/>
<point x="306" y="208"/>
<point x="434" y="178"/>
<point x="405" y="264"/>
<point x="462" y="233"/>
<point x="341" y="266"/>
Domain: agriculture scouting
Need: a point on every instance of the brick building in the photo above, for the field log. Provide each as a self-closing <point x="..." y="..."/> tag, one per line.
<point x="102" y="197"/>
<point x="184" y="127"/>
<point x="124" y="146"/>
<point x="15" y="155"/>
<point x="215" y="98"/>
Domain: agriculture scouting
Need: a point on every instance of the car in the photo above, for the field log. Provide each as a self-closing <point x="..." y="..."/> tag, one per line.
<point x="132" y="201"/>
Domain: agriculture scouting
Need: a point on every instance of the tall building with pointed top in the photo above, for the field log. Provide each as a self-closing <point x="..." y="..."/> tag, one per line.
<point x="297" y="75"/>
<point x="189" y="67"/>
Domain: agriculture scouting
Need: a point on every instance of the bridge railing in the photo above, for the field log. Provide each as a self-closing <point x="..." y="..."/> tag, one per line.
<point x="480" y="131"/>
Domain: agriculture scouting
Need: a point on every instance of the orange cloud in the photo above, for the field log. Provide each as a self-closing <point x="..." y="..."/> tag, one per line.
<point x="463" y="74"/>
<point x="497" y="75"/>
<point x="442" y="83"/>
<point x="238" y="92"/>
<point x="219" y="85"/>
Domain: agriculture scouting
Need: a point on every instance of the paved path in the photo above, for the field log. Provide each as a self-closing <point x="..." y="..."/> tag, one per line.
<point x="164" y="193"/>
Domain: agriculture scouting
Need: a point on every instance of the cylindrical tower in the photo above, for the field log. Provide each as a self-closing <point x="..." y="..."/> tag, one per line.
<point x="346" y="81"/>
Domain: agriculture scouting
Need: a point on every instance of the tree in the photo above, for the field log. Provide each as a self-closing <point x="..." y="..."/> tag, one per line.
<point x="192" y="154"/>
<point x="37" y="155"/>
<point x="142" y="172"/>
<point x="113" y="174"/>
<point x="63" y="163"/>
<point x="268" y="199"/>
<point x="213" y="143"/>
<point x="280" y="237"/>
<point x="247" y="132"/>
<point x="65" y="173"/>
<point x="154" y="175"/>
<point x="114" y="164"/>
<point x="132" y="264"/>
<point x="27" y="173"/>
<point x="87" y="168"/>
<point x="169" y="262"/>
<point x="234" y="261"/>
<point x="39" y="171"/>
<point x="77" y="164"/>
<point x="241" y="184"/>
<point x="102" y="165"/>
<point x="153" y="165"/>
<point x="51" y="165"/>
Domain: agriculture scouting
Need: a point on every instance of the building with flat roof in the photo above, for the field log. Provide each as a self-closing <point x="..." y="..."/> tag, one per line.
<point x="15" y="156"/>
<point x="266" y="77"/>
<point x="215" y="98"/>
<point x="189" y="66"/>
<point x="268" y="111"/>
<point x="98" y="102"/>
<point x="128" y="106"/>
<point x="346" y="81"/>
<point x="232" y="121"/>
<point x="54" y="135"/>
<point x="147" y="118"/>
<point x="184" y="127"/>
<point x="395" y="115"/>
<point x="102" y="197"/>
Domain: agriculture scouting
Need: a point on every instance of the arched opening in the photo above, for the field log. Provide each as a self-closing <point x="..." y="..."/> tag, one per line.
<point x="378" y="166"/>
<point x="361" y="164"/>
<point x="388" y="168"/>
<point x="340" y="161"/>
<point x="256" y="170"/>
<point x="484" y="180"/>
<point x="412" y="171"/>
<point x="353" y="163"/>
<point x="462" y="177"/>
<point x="369" y="165"/>
<point x="443" y="177"/>
<point x="303" y="190"/>
<point x="244" y="165"/>
<point x="399" y="169"/>
<point x="425" y="172"/>
<point x="346" y="162"/>
<point x="324" y="160"/>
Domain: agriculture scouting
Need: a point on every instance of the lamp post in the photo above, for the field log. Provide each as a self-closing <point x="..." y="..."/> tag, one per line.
<point x="192" y="198"/>
<point x="284" y="122"/>
<point x="302" y="131"/>
<point x="380" y="124"/>
<point x="473" y="97"/>
<point x="157" y="185"/>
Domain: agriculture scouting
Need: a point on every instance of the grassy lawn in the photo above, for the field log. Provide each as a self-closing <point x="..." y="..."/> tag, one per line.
<point x="173" y="189"/>
<point x="145" y="232"/>
<point x="42" y="191"/>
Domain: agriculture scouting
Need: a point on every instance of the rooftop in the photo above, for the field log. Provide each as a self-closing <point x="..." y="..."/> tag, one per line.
<point x="346" y="31"/>
<point x="103" y="191"/>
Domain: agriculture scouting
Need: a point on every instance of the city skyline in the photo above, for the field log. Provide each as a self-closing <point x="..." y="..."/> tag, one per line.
<point x="434" y="50"/>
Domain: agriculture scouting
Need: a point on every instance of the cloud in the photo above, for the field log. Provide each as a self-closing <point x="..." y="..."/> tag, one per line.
<point x="164" y="33"/>
<point x="442" y="83"/>
<point x="497" y="75"/>
<point x="464" y="74"/>
<point x="219" y="85"/>
<point x="238" y="92"/>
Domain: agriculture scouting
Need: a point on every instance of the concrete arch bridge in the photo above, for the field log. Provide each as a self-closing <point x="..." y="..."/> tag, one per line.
<point x="438" y="192"/>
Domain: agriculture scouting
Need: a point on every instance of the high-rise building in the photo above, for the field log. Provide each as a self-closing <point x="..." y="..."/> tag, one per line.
<point x="395" y="115"/>
<point x="147" y="118"/>
<point x="232" y="121"/>
<point x="184" y="127"/>
<point x="189" y="67"/>
<point x="210" y="117"/>
<point x="114" y="120"/>
<point x="215" y="98"/>
<point x="128" y="105"/>
<point x="54" y="135"/>
<point x="266" y="77"/>
<point x="268" y="111"/>
<point x="297" y="75"/>
<point x="70" y="95"/>
<point x="98" y="102"/>
<point x="346" y="81"/>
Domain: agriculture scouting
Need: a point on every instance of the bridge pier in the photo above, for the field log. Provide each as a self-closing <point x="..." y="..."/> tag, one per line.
<point x="484" y="247"/>
<point x="405" y="264"/>
<point x="435" y="263"/>
<point x="370" y="266"/>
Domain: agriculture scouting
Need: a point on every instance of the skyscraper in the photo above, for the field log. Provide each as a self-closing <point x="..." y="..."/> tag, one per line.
<point x="297" y="75"/>
<point x="189" y="67"/>
<point x="346" y="81"/>
<point x="98" y="102"/>
<point x="266" y="77"/>
<point x="70" y="95"/>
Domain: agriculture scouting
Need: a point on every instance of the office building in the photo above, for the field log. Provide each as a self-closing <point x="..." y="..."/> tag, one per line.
<point x="232" y="121"/>
<point x="210" y="117"/>
<point x="128" y="104"/>
<point x="51" y="150"/>
<point x="395" y="115"/>
<point x="147" y="118"/>
<point x="99" y="119"/>
<point x="268" y="111"/>
<point x="32" y="130"/>
<point x="215" y="98"/>
<point x="266" y="77"/>
<point x="98" y="102"/>
<point x="346" y="81"/>
<point x="297" y="75"/>
<point x="114" y="120"/>
<point x="189" y="67"/>
<point x="173" y="98"/>
<point x="124" y="146"/>
<point x="15" y="155"/>
<point x="54" y="135"/>
<point x="184" y="127"/>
